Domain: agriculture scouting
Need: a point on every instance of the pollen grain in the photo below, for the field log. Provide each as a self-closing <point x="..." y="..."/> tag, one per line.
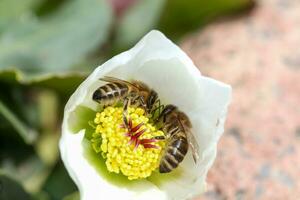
<point x="111" y="139"/>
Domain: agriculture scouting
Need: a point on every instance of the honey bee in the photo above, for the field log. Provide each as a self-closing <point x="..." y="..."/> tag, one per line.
<point x="134" y="93"/>
<point x="174" y="123"/>
<point x="177" y="128"/>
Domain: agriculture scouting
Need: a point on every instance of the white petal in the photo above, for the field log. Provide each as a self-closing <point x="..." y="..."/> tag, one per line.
<point x="88" y="180"/>
<point x="159" y="63"/>
<point x="208" y="120"/>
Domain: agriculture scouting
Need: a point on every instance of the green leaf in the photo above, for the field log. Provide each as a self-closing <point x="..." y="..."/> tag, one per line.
<point x="180" y="17"/>
<point x="47" y="144"/>
<point x="36" y="173"/>
<point x="137" y="21"/>
<point x="11" y="189"/>
<point x="41" y="195"/>
<point x="29" y="135"/>
<point x="10" y="76"/>
<point x="63" y="83"/>
<point x="21" y="162"/>
<point x="12" y="11"/>
<point x="73" y="196"/>
<point x="59" y="183"/>
<point x="30" y="164"/>
<point x="55" y="42"/>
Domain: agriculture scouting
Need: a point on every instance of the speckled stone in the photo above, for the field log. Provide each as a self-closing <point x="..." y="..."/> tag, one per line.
<point x="259" y="55"/>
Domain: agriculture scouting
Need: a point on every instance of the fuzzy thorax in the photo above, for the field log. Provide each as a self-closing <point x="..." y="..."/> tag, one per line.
<point x="130" y="150"/>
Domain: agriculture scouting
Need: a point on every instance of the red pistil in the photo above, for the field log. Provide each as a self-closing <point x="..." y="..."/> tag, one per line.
<point x="136" y="128"/>
<point x="146" y="143"/>
<point x="147" y="146"/>
<point x="134" y="133"/>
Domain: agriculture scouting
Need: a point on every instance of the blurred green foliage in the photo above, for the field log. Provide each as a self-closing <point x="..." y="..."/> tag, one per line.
<point x="137" y="21"/>
<point x="47" y="48"/>
<point x="11" y="189"/>
<point x="192" y="14"/>
<point x="56" y="41"/>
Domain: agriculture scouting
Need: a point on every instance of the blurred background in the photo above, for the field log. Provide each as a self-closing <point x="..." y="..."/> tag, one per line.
<point x="48" y="47"/>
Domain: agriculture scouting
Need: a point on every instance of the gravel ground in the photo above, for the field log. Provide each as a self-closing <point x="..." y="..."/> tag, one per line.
<point x="259" y="55"/>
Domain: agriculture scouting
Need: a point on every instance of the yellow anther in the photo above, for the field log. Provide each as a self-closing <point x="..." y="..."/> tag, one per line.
<point x="120" y="156"/>
<point x="97" y="120"/>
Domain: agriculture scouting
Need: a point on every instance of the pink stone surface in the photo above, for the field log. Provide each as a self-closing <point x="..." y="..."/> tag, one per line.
<point x="259" y="55"/>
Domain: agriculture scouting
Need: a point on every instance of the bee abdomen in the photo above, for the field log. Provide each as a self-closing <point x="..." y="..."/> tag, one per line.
<point x="174" y="154"/>
<point x="110" y="93"/>
<point x="168" y="163"/>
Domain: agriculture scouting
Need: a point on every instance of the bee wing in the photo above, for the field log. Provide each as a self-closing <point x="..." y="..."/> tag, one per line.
<point x="193" y="144"/>
<point x="140" y="85"/>
<point x="115" y="80"/>
<point x="136" y="84"/>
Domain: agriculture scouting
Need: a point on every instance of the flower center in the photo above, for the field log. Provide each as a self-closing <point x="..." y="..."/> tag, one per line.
<point x="129" y="149"/>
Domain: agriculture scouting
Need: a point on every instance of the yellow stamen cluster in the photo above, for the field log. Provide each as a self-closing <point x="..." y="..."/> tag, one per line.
<point x="109" y="138"/>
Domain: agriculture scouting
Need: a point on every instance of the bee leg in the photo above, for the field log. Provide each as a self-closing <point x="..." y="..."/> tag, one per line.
<point x="125" y="121"/>
<point x="161" y="137"/>
<point x="127" y="103"/>
<point x="143" y="104"/>
<point x="158" y="109"/>
<point x="125" y="111"/>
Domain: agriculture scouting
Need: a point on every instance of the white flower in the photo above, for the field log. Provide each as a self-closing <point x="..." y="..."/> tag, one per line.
<point x="163" y="66"/>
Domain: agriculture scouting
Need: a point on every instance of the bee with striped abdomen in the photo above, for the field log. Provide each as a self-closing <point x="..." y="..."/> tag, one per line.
<point x="177" y="128"/>
<point x="133" y="93"/>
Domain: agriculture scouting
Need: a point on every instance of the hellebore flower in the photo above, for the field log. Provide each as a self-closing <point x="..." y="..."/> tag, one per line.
<point x="92" y="144"/>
